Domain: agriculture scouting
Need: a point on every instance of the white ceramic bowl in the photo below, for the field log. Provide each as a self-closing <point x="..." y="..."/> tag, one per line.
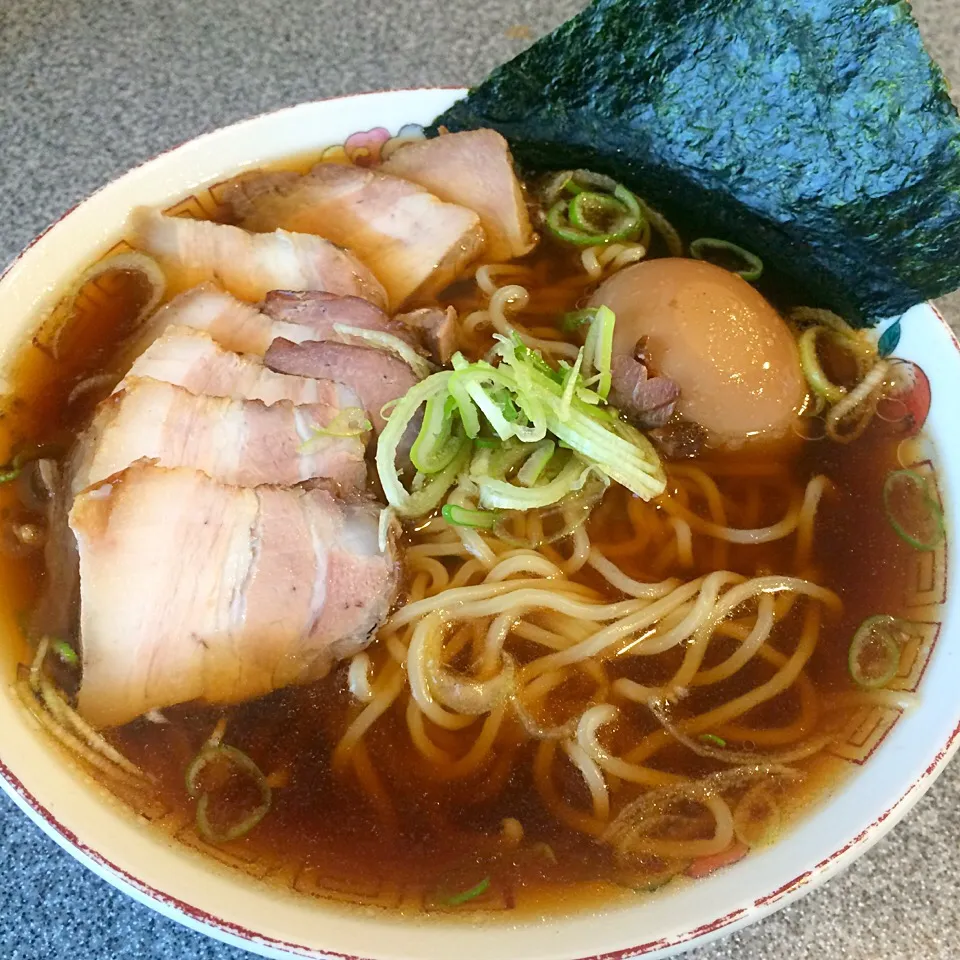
<point x="230" y="905"/>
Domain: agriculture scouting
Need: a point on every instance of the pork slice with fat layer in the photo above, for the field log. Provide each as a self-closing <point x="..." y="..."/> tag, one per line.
<point x="196" y="590"/>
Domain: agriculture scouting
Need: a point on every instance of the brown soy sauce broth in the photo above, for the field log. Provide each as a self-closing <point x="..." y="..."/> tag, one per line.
<point x="446" y="836"/>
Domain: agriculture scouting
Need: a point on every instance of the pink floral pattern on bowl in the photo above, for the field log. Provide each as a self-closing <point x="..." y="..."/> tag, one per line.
<point x="368" y="148"/>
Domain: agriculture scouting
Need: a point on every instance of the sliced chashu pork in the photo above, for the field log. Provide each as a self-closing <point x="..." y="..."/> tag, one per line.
<point x="311" y="315"/>
<point x="193" y="360"/>
<point x="234" y="324"/>
<point x="437" y="328"/>
<point x="292" y="314"/>
<point x="242" y="442"/>
<point x="192" y="589"/>
<point x="414" y="243"/>
<point x="251" y="264"/>
<point x="475" y="170"/>
<point x="315" y="315"/>
<point x="376" y="376"/>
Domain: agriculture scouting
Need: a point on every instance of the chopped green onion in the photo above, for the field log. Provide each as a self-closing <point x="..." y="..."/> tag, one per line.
<point x="11" y="472"/>
<point x="468" y="412"/>
<point x="624" y="454"/>
<point x="504" y="495"/>
<point x="472" y="382"/>
<point x="599" y="349"/>
<point x="522" y="399"/>
<point x="816" y="378"/>
<point x="464" y="517"/>
<point x="570" y="386"/>
<point x="509" y="409"/>
<point x="466" y="895"/>
<point x="504" y="459"/>
<point x="594" y="212"/>
<point x="487" y="443"/>
<point x="874" y="656"/>
<point x="572" y="321"/>
<point x="534" y="465"/>
<point x="912" y="510"/>
<point x="426" y="499"/>
<point x="427" y="495"/>
<point x="534" y="358"/>
<point x="436" y="444"/>
<point x="349" y="422"/>
<point x="34" y="452"/>
<point x="592" y="217"/>
<point x="714" y="739"/>
<point x="244" y="764"/>
<point x="702" y="247"/>
<point x="65" y="652"/>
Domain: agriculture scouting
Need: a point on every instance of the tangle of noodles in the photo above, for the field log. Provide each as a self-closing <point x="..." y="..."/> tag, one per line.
<point x="496" y="642"/>
<point x="515" y="298"/>
<point x="602" y="261"/>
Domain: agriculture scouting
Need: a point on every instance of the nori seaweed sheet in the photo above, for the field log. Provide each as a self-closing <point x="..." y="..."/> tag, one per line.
<point x="816" y="132"/>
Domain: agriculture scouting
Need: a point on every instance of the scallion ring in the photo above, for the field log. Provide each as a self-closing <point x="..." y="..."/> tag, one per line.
<point x="912" y="510"/>
<point x="244" y="764"/>
<point x="874" y="656"/>
<point x="535" y="464"/>
<point x="713" y="250"/>
<point x="813" y="371"/>
<point x="592" y="218"/>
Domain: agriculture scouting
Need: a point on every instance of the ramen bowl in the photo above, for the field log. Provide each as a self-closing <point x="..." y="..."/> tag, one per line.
<point x="893" y="756"/>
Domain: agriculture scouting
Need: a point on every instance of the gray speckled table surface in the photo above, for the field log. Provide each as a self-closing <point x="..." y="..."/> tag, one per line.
<point x="90" y="88"/>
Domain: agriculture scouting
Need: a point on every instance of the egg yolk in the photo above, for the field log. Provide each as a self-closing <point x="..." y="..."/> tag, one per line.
<point x="732" y="355"/>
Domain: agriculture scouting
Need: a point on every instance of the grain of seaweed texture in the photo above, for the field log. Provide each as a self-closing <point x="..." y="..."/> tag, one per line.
<point x="816" y="132"/>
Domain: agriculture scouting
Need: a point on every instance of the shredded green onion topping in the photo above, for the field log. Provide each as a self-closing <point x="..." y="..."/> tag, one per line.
<point x="551" y="431"/>
<point x="465" y="517"/>
<point x="349" y="422"/>
<point x="718" y="251"/>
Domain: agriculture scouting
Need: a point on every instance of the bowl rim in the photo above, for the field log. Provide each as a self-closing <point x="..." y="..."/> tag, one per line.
<point x="245" y="938"/>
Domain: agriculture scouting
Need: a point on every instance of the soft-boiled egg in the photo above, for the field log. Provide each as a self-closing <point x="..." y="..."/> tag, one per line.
<point x="732" y="355"/>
